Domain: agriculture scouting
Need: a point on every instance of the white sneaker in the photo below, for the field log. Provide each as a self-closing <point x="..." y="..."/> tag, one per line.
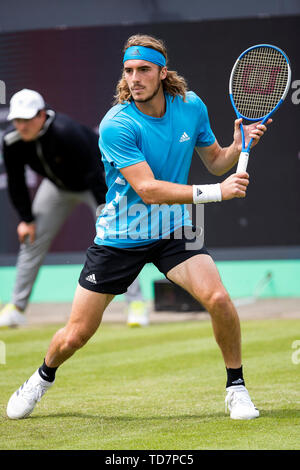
<point x="239" y="403"/>
<point x="10" y="316"/>
<point x="138" y="314"/>
<point x="23" y="401"/>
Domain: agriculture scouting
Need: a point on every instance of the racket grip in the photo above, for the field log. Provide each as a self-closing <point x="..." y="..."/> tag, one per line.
<point x="243" y="162"/>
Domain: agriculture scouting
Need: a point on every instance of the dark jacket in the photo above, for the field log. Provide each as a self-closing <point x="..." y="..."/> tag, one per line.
<point x="65" y="152"/>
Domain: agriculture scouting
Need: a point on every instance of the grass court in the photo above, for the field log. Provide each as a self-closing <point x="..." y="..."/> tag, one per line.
<point x="161" y="388"/>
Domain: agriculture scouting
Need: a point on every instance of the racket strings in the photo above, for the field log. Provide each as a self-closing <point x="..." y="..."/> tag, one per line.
<point x="259" y="81"/>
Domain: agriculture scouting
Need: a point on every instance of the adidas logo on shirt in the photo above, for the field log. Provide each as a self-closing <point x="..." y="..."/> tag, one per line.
<point x="184" y="137"/>
<point x="91" y="278"/>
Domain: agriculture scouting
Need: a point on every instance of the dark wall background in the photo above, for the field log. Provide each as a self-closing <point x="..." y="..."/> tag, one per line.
<point x="40" y="14"/>
<point x="76" y="70"/>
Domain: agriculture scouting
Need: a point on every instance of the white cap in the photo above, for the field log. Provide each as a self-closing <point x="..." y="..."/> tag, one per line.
<point x="25" y="104"/>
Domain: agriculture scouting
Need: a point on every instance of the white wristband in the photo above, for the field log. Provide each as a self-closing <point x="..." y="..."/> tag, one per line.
<point x="206" y="193"/>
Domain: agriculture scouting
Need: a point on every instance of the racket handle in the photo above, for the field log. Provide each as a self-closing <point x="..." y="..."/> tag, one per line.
<point x="243" y="162"/>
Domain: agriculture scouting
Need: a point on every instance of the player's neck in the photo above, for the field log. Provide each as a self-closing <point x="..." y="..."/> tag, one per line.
<point x="156" y="107"/>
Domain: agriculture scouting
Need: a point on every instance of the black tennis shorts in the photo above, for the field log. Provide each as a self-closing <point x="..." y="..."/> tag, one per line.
<point x="111" y="270"/>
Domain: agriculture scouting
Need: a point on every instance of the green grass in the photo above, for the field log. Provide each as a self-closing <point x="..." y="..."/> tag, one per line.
<point x="158" y="388"/>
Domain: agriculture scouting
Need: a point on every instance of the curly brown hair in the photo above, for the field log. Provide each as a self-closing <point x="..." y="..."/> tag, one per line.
<point x="173" y="84"/>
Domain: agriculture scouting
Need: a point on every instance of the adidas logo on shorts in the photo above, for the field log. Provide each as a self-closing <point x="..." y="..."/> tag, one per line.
<point x="91" y="278"/>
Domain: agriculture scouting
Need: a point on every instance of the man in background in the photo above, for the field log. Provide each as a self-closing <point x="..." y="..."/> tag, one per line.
<point x="66" y="154"/>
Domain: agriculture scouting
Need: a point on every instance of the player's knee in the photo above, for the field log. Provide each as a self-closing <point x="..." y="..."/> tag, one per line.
<point x="217" y="301"/>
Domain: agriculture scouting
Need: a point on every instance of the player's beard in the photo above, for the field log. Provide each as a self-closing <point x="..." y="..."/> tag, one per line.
<point x="149" y="98"/>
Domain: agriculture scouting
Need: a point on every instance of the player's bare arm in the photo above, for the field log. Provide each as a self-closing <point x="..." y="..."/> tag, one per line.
<point x="153" y="191"/>
<point x="218" y="160"/>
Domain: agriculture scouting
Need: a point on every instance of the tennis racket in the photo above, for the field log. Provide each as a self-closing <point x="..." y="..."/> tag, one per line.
<point x="258" y="85"/>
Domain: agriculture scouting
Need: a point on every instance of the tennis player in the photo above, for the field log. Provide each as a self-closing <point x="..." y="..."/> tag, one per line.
<point x="147" y="140"/>
<point x="66" y="154"/>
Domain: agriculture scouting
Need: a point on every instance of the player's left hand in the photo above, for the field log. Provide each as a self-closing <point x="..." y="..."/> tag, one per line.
<point x="252" y="131"/>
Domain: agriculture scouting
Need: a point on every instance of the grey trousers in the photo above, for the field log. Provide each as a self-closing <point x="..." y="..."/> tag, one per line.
<point x="51" y="207"/>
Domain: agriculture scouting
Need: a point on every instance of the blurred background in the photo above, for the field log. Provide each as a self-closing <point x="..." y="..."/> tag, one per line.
<point x="71" y="52"/>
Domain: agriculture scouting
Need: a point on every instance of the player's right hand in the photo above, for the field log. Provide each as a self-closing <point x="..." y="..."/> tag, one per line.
<point x="234" y="186"/>
<point x="25" y="230"/>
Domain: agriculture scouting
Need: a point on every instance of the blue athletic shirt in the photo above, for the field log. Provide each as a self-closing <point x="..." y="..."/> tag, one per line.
<point x="127" y="137"/>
